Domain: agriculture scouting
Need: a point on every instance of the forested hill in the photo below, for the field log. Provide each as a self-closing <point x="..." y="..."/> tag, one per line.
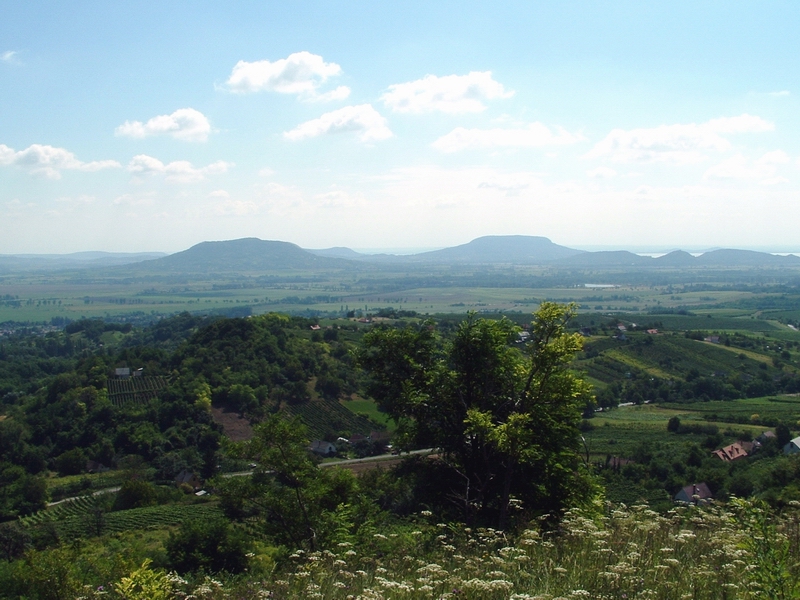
<point x="59" y="411"/>
<point x="243" y="255"/>
<point x="513" y="249"/>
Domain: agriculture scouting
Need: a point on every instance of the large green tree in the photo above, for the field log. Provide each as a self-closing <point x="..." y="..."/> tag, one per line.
<point x="504" y="418"/>
<point x="296" y="503"/>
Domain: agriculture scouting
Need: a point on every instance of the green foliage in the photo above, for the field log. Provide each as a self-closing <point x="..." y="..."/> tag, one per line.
<point x="145" y="583"/>
<point x="135" y="493"/>
<point x="775" y="571"/>
<point x="295" y="502"/>
<point x="209" y="545"/>
<point x="506" y="422"/>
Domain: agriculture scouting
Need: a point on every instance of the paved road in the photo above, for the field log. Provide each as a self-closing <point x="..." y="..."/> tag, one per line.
<point x="336" y="463"/>
<point x="97" y="493"/>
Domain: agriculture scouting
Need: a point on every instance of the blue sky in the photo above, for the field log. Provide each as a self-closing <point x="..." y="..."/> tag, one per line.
<point x="413" y="124"/>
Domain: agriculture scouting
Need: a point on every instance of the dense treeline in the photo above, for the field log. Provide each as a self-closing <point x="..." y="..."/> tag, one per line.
<point x="58" y="415"/>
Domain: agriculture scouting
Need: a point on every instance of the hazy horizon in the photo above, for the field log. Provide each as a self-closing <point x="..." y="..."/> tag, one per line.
<point x="417" y="125"/>
<point x="653" y="250"/>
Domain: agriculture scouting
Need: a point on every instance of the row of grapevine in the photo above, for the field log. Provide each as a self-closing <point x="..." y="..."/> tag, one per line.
<point x="134" y="389"/>
<point x="78" y="518"/>
<point x="325" y="416"/>
<point x="64" y="510"/>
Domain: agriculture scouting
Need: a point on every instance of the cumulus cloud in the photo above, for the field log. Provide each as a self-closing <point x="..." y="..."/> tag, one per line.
<point x="237" y="208"/>
<point x="179" y="171"/>
<point x="454" y="94"/>
<point x="185" y="124"/>
<point x="509" y="184"/>
<point x="340" y="93"/>
<point x="764" y="170"/>
<point x="148" y="199"/>
<point x="336" y="199"/>
<point x="679" y="144"/>
<point x="362" y="119"/>
<point x="49" y="161"/>
<point x="533" y="136"/>
<point x="301" y="73"/>
<point x="601" y="173"/>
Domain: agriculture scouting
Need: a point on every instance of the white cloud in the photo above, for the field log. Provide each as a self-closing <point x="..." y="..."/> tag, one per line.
<point x="781" y="93"/>
<point x="337" y="199"/>
<point x="533" y="136"/>
<point x="738" y="167"/>
<point x="185" y="124"/>
<point x="148" y="199"/>
<point x="679" y="144"/>
<point x="454" y="94"/>
<point x="49" y="161"/>
<point x="362" y="119"/>
<point x="179" y="171"/>
<point x="301" y="73"/>
<point x="510" y="184"/>
<point x="219" y="194"/>
<point x="8" y="56"/>
<point x="266" y="172"/>
<point x="601" y="173"/>
<point x="340" y="93"/>
<point x="776" y="157"/>
<point x="237" y="208"/>
<point x="81" y="199"/>
<point x="742" y="124"/>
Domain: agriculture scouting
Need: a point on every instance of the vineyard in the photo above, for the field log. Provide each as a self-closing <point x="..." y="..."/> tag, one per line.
<point x="82" y="516"/>
<point x="138" y="390"/>
<point x="328" y="416"/>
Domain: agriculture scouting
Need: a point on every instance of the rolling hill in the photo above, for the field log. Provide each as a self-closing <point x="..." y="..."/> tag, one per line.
<point x="243" y="255"/>
<point x="514" y="249"/>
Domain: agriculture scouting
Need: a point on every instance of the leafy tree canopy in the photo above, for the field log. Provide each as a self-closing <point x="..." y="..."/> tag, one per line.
<point x="505" y="420"/>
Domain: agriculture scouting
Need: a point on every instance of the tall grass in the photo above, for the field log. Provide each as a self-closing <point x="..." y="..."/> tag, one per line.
<point x="716" y="552"/>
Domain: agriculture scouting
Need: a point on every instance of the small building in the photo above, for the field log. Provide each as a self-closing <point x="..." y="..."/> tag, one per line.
<point x="735" y="451"/>
<point x="380" y="436"/>
<point x="189" y="478"/>
<point x="615" y="463"/>
<point x="122" y="372"/>
<point x="94" y="466"/>
<point x="697" y="493"/>
<point x="766" y="436"/>
<point x="793" y="447"/>
<point x="322" y="448"/>
<point x="652" y="331"/>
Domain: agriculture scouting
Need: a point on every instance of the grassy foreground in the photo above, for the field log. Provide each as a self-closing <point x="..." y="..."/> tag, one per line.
<point x="720" y="552"/>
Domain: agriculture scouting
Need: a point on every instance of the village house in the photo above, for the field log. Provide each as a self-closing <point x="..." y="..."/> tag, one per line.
<point x="766" y="436"/>
<point x="793" y="447"/>
<point x="697" y="493"/>
<point x="189" y="478"/>
<point x="322" y="448"/>
<point x="735" y="451"/>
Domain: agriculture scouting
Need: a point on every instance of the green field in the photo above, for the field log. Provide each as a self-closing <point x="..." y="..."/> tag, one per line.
<point x="619" y="431"/>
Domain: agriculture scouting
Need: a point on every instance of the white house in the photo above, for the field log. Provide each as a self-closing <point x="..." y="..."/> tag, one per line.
<point x="792" y="447"/>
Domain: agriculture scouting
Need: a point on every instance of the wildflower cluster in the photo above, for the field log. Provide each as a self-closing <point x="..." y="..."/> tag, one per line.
<point x="629" y="552"/>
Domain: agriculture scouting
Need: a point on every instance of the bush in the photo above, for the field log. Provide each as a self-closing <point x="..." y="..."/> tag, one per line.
<point x="135" y="493"/>
<point x="212" y="546"/>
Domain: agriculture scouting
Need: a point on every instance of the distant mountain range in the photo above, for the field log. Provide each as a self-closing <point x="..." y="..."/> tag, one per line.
<point x="12" y="263"/>
<point x="252" y="255"/>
